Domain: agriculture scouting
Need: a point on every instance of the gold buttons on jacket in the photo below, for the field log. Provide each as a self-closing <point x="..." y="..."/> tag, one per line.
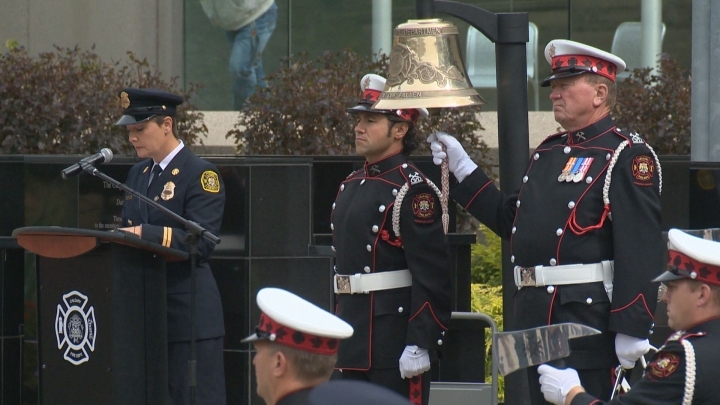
<point x="571" y="204"/>
<point x="567" y="150"/>
<point x="551" y="289"/>
<point x="362" y="182"/>
<point x="439" y="342"/>
<point x="525" y="179"/>
<point x="559" y="232"/>
<point x="401" y="309"/>
<point x="512" y="259"/>
<point x="332" y="226"/>
<point x="517" y="203"/>
<point x="536" y="156"/>
<point x="342" y="187"/>
<point x="514" y="229"/>
<point x="375" y="228"/>
<point x="333" y="206"/>
<point x="394" y="192"/>
<point x="367" y="269"/>
<point x="369" y="248"/>
<point x="553" y="262"/>
<point x="589" y="300"/>
<point x="382" y="208"/>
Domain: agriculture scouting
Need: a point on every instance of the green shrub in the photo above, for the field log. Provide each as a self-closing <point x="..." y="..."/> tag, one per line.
<point x="488" y="300"/>
<point x="65" y="102"/>
<point x="486" y="258"/>
<point x="302" y="111"/>
<point x="657" y="106"/>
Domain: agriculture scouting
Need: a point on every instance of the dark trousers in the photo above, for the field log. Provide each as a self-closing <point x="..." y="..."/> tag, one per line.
<point x="210" y="387"/>
<point x="417" y="389"/>
<point x="597" y="382"/>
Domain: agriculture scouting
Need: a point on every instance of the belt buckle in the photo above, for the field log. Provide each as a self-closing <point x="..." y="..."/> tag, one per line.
<point x="527" y="277"/>
<point x="342" y="284"/>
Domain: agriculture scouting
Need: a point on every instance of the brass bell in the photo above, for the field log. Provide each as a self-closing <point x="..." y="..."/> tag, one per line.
<point x="426" y="68"/>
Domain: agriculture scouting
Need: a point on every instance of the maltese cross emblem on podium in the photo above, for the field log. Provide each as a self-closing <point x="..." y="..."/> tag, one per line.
<point x="76" y="327"/>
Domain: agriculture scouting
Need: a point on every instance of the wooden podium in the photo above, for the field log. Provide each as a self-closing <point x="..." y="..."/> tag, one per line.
<point x="102" y="315"/>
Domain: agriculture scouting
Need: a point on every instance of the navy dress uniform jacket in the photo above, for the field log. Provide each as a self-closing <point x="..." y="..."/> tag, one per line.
<point x="192" y="188"/>
<point x="363" y="237"/>
<point x="684" y="371"/>
<point x="551" y="222"/>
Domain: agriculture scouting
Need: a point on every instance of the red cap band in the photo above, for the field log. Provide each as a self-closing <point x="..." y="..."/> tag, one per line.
<point x="705" y="272"/>
<point x="297" y="340"/>
<point x="596" y="65"/>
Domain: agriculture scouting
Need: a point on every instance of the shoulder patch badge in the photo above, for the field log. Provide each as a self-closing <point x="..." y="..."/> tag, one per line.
<point x="210" y="181"/>
<point x="664" y="365"/>
<point x="423" y="206"/>
<point x="643" y="168"/>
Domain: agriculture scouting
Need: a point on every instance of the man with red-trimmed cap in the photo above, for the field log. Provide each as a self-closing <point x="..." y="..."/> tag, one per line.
<point x="296" y="345"/>
<point x="392" y="258"/>
<point x="684" y="370"/>
<point x="584" y="226"/>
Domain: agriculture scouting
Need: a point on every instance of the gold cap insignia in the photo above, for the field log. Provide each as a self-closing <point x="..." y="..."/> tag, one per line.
<point x="124" y="100"/>
<point x="210" y="182"/>
<point x="175" y="171"/>
<point x="168" y="191"/>
<point x="145" y="169"/>
<point x="552" y="51"/>
<point x="164" y="108"/>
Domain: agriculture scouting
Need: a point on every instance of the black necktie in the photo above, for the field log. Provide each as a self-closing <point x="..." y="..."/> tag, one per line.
<point x="155" y="173"/>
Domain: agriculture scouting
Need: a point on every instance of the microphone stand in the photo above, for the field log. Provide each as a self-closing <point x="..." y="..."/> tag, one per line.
<point x="193" y="238"/>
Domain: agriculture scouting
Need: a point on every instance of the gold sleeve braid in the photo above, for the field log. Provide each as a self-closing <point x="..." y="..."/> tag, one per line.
<point x="167" y="236"/>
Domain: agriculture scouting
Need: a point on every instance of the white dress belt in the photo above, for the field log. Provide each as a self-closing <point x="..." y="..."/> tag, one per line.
<point x="539" y="276"/>
<point x="365" y="283"/>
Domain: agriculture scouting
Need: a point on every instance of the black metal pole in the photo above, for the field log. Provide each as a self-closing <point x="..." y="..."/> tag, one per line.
<point x="509" y="32"/>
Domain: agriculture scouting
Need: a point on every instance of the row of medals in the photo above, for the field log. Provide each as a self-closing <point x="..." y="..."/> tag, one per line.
<point x="575" y="169"/>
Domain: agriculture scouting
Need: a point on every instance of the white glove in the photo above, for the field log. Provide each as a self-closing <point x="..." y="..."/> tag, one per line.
<point x="555" y="383"/>
<point x="459" y="162"/>
<point x="629" y="349"/>
<point x="414" y="361"/>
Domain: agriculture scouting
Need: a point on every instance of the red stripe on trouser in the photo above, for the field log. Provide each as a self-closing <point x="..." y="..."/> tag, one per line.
<point x="416" y="392"/>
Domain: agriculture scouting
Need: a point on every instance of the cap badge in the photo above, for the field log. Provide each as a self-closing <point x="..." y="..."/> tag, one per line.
<point x="164" y="108"/>
<point x="124" y="100"/>
<point x="551" y="51"/>
<point x="210" y="182"/>
<point x="175" y="171"/>
<point x="168" y="191"/>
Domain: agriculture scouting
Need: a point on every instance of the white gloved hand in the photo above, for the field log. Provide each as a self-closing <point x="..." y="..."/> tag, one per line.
<point x="459" y="162"/>
<point x="414" y="361"/>
<point x="629" y="349"/>
<point x="555" y="383"/>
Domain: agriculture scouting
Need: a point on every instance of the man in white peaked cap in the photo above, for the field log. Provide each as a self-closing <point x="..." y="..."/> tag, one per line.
<point x="296" y="343"/>
<point x="684" y="370"/>
<point x="584" y="223"/>
<point x="392" y="257"/>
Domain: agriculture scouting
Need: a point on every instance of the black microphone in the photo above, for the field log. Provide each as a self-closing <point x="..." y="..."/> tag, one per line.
<point x="105" y="155"/>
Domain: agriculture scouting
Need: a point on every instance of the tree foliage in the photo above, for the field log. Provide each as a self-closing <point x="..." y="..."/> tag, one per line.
<point x="65" y="101"/>
<point x="657" y="106"/>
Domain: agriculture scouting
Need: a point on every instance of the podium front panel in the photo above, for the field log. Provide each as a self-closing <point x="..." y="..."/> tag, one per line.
<point x="103" y="327"/>
<point x="75" y="323"/>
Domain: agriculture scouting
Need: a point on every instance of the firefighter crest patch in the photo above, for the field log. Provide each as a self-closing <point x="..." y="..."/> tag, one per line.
<point x="664" y="365"/>
<point x="210" y="181"/>
<point x="423" y="205"/>
<point x="75" y="325"/>
<point x="643" y="168"/>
